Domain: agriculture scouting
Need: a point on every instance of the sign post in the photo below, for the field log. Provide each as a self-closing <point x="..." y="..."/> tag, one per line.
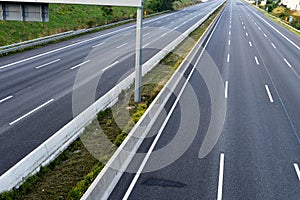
<point x="138" y="56"/>
<point x="29" y="7"/>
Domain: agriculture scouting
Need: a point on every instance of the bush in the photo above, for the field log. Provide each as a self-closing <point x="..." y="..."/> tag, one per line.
<point x="82" y="186"/>
<point x="296" y="24"/>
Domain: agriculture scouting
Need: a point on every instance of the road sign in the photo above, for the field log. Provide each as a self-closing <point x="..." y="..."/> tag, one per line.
<point x="24" y="12"/>
<point x="130" y="3"/>
<point x="37" y="10"/>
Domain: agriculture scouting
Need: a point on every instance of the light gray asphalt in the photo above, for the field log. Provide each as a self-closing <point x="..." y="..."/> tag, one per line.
<point x="260" y="138"/>
<point x="30" y="79"/>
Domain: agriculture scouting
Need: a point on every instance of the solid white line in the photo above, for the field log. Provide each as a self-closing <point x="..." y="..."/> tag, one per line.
<point x="250" y="44"/>
<point x="34" y="110"/>
<point x="146" y="45"/>
<point x="256" y="60"/>
<point x="246" y="34"/>
<point x="146" y="34"/>
<point x="265" y="35"/>
<point x="269" y="93"/>
<point x="113" y="64"/>
<point x="279" y="32"/>
<point x="228" y="42"/>
<point x="6" y="98"/>
<point x="273" y="45"/>
<point x="285" y="60"/>
<point x="75" y="44"/>
<point x="297" y="170"/>
<point x="226" y="89"/>
<point x="80" y="64"/>
<point x="98" y="44"/>
<point x="221" y="176"/>
<point x="65" y="47"/>
<point x="228" y="57"/>
<point x="44" y="65"/>
<point x="122" y="45"/>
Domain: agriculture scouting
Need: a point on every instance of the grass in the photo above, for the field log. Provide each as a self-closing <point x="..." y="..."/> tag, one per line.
<point x="65" y="17"/>
<point x="69" y="176"/>
<point x="281" y="12"/>
<point x="62" y="18"/>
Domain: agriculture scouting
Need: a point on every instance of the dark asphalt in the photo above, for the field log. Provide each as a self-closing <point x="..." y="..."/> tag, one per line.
<point x="260" y="139"/>
<point x="32" y="87"/>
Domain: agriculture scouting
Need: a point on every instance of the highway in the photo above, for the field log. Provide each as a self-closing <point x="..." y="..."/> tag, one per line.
<point x="36" y="86"/>
<point x="257" y="154"/>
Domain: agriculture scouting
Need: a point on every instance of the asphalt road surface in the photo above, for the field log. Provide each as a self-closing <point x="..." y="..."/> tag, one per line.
<point x="36" y="86"/>
<point x="257" y="153"/>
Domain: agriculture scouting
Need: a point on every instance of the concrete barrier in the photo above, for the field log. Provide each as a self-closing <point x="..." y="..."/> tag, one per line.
<point x="105" y="182"/>
<point x="58" y="142"/>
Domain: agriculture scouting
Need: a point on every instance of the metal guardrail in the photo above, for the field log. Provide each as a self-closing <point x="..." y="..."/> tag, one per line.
<point x="105" y="182"/>
<point x="34" y="40"/>
<point x="274" y="17"/>
<point x="44" y="40"/>
<point x="58" y="142"/>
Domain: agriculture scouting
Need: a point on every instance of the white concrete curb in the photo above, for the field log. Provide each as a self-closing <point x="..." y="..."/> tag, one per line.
<point x="57" y="143"/>
<point x="105" y="182"/>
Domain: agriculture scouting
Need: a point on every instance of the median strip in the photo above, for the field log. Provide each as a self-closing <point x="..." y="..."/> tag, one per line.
<point x="62" y="171"/>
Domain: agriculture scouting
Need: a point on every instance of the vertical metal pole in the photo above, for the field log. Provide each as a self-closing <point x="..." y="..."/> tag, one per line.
<point x="138" y="56"/>
<point x="256" y="3"/>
